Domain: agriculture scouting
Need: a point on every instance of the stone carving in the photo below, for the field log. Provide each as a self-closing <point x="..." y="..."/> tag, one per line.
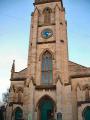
<point x="58" y="78"/>
<point x="27" y="82"/>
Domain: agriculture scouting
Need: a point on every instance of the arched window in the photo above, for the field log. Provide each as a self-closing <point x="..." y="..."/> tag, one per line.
<point x="47" y="16"/>
<point x="18" y="113"/>
<point x="47" y="68"/>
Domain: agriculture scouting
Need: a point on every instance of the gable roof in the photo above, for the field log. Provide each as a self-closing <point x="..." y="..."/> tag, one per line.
<point x="77" y="70"/>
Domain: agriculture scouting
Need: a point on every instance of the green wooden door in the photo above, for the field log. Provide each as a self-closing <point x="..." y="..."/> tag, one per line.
<point x="46" y="108"/>
<point x="87" y="114"/>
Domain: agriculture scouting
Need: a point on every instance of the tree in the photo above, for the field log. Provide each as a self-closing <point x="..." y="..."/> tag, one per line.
<point x="6" y="96"/>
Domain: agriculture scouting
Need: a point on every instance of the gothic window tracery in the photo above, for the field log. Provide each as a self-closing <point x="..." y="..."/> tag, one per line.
<point x="47" y="15"/>
<point x="47" y="68"/>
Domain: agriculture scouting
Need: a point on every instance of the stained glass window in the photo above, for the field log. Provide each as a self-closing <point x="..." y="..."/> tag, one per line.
<point x="47" y="68"/>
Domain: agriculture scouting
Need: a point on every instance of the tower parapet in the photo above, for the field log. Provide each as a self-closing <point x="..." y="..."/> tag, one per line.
<point x="46" y="1"/>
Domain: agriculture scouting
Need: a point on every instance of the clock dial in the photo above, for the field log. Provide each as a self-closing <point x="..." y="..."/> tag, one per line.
<point x="47" y="33"/>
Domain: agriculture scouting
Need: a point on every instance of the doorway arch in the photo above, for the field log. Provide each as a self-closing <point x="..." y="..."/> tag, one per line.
<point x="86" y="113"/>
<point x="46" y="108"/>
<point x="18" y="113"/>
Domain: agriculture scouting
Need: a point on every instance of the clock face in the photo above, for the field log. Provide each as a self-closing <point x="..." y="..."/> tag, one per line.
<point x="47" y="33"/>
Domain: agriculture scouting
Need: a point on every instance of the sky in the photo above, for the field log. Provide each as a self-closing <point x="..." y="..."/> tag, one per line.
<point x="15" y="18"/>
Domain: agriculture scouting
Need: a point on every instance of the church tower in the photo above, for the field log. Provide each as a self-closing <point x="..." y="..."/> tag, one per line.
<point x="48" y="39"/>
<point x="47" y="72"/>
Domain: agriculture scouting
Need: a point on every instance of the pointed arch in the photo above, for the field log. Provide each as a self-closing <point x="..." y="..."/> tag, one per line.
<point x="53" y="56"/>
<point x="44" y="98"/>
<point x="18" y="113"/>
<point x="46" y="107"/>
<point x="47" y="15"/>
<point x="47" y="68"/>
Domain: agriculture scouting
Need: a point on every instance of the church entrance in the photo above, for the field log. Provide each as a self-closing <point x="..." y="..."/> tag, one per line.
<point x="86" y="113"/>
<point x="18" y="114"/>
<point x="46" y="109"/>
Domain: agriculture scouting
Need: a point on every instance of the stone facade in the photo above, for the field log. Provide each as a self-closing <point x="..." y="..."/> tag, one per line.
<point x="70" y="87"/>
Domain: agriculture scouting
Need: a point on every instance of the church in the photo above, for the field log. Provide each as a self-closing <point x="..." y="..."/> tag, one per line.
<point x="51" y="87"/>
